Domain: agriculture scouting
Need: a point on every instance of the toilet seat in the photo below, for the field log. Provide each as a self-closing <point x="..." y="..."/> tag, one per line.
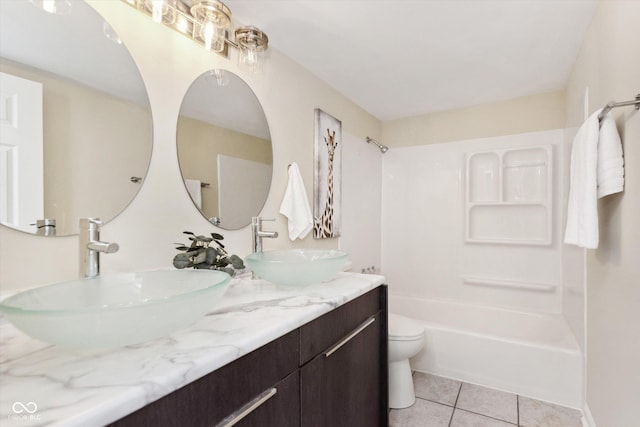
<point x="404" y="329"/>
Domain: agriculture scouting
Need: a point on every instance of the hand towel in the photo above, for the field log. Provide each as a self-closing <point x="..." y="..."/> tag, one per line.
<point x="610" y="160"/>
<point x="194" y="188"/>
<point x="582" y="209"/>
<point x="295" y="205"/>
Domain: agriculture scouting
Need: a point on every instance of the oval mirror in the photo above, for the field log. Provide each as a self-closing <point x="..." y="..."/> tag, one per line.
<point x="76" y="136"/>
<point x="224" y="149"/>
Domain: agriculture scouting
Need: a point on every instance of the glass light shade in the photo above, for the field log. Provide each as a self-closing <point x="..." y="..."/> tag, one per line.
<point x="56" y="7"/>
<point x="250" y="59"/>
<point x="212" y="19"/>
<point x="162" y="11"/>
<point x="252" y="43"/>
<point x="213" y="35"/>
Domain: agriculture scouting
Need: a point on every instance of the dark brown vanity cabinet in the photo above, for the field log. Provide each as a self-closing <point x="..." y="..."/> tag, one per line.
<point x="330" y="372"/>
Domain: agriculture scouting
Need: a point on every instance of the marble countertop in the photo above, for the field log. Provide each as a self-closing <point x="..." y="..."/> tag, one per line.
<point x="42" y="384"/>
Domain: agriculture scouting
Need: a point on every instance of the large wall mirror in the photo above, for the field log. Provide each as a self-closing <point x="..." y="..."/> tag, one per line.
<point x="76" y="128"/>
<point x="224" y="149"/>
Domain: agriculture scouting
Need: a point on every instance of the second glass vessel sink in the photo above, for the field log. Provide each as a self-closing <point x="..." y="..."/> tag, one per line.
<point x="297" y="267"/>
<point x="116" y="310"/>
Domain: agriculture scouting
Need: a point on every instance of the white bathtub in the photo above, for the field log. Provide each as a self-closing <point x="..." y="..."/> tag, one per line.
<point x="531" y="354"/>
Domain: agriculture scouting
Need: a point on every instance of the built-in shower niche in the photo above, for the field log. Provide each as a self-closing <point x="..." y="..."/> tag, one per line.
<point x="508" y="196"/>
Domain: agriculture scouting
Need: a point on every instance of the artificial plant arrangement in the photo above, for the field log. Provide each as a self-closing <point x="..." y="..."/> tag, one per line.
<point x="201" y="254"/>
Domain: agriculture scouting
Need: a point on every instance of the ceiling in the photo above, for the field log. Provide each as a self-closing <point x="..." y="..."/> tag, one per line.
<point x="393" y="58"/>
<point x="402" y="58"/>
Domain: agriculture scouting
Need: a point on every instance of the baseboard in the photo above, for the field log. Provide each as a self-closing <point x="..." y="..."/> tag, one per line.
<point x="587" y="418"/>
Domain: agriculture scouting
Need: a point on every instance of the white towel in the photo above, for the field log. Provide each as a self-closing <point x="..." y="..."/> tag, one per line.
<point x="194" y="188"/>
<point x="610" y="160"/>
<point x="582" y="209"/>
<point x="295" y="205"/>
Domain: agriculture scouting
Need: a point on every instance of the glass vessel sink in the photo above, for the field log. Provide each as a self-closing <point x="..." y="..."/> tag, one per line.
<point x="116" y="310"/>
<point x="297" y="267"/>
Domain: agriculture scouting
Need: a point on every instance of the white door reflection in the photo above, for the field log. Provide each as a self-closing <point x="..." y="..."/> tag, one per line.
<point x="21" y="152"/>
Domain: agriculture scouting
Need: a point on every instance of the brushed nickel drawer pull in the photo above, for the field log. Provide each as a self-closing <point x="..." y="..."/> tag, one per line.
<point x="248" y="408"/>
<point x="349" y="337"/>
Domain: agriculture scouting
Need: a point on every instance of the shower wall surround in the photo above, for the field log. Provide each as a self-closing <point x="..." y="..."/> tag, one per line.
<point x="428" y="198"/>
<point x="162" y="209"/>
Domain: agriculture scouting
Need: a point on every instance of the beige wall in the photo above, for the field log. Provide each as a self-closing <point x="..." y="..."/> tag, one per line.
<point x="519" y="115"/>
<point x="199" y="143"/>
<point x="93" y="144"/>
<point x="609" y="65"/>
<point x="169" y="63"/>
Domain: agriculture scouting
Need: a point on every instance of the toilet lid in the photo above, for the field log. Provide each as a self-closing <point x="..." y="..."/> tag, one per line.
<point x="401" y="327"/>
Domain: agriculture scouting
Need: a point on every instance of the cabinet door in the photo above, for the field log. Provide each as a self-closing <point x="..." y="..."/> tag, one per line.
<point x="344" y="385"/>
<point x="278" y="406"/>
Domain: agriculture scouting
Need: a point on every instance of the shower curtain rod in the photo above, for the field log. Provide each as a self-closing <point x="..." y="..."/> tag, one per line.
<point x="613" y="104"/>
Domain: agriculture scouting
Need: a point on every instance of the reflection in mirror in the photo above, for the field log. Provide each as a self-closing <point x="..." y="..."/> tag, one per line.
<point x="77" y="126"/>
<point x="224" y="149"/>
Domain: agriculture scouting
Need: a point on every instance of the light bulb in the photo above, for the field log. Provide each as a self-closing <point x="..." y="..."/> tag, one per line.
<point x="252" y="57"/>
<point x="157" y="10"/>
<point x="162" y="11"/>
<point x="213" y="36"/>
<point x="208" y="30"/>
<point x="249" y="59"/>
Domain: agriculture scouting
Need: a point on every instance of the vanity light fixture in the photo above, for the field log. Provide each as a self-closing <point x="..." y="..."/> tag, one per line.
<point x="208" y="22"/>
<point x="56" y="7"/>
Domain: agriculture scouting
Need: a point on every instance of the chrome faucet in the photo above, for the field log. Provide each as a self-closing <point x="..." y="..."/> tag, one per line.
<point x="257" y="233"/>
<point x="91" y="246"/>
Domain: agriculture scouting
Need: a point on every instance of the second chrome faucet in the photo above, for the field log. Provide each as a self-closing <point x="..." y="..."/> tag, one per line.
<point x="257" y="233"/>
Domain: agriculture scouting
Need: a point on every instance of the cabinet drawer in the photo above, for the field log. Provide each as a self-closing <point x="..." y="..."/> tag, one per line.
<point x="207" y="401"/>
<point x="320" y="334"/>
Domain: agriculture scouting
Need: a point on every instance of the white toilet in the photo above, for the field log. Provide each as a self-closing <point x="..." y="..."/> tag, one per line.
<point x="406" y="339"/>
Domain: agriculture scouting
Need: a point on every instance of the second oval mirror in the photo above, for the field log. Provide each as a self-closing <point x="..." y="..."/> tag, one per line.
<point x="224" y="149"/>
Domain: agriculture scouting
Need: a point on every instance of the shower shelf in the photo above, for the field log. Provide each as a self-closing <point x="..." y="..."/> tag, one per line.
<point x="508" y="196"/>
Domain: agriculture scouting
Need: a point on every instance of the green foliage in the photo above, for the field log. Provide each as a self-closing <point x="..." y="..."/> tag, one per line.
<point x="206" y="252"/>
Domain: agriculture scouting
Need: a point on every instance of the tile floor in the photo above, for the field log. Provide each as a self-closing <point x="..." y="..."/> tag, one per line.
<point x="441" y="402"/>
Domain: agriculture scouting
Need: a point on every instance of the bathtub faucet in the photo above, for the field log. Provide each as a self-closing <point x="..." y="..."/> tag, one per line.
<point x="91" y="246"/>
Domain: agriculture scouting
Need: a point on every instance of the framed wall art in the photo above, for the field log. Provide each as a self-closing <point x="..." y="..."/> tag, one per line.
<point x="327" y="183"/>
